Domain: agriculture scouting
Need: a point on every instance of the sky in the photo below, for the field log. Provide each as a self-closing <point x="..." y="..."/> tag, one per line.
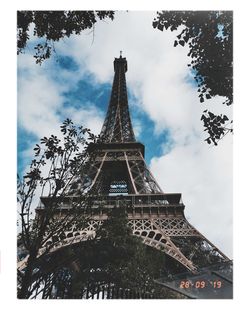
<point x="164" y="105"/>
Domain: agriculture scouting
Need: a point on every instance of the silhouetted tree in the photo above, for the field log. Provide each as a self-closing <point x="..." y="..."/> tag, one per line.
<point x="57" y="162"/>
<point x="117" y="258"/>
<point x="209" y="36"/>
<point x="126" y="259"/>
<point x="51" y="26"/>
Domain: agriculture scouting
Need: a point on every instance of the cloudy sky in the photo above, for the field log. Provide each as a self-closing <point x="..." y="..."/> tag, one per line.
<point x="164" y="106"/>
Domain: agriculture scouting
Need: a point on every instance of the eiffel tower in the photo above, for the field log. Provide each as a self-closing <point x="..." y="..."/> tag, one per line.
<point x="116" y="172"/>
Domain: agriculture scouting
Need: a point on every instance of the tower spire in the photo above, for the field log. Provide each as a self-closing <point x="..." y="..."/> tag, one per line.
<point x="117" y="126"/>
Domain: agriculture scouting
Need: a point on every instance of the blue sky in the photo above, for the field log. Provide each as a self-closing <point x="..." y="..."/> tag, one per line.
<point x="84" y="94"/>
<point x="164" y="107"/>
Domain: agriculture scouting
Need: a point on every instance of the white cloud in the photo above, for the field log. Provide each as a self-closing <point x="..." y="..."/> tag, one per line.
<point x="203" y="175"/>
<point x="90" y="118"/>
<point x="41" y="98"/>
<point x="137" y="127"/>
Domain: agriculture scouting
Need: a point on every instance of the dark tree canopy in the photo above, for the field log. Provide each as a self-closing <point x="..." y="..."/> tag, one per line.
<point x="51" y="26"/>
<point x="209" y="36"/>
<point x="52" y="171"/>
<point x="116" y="256"/>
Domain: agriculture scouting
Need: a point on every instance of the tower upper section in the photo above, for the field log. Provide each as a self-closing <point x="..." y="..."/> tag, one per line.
<point x="117" y="126"/>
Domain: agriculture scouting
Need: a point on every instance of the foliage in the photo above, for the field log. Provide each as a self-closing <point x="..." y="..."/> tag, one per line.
<point x="215" y="125"/>
<point x="209" y="36"/>
<point x="51" y="26"/>
<point x="114" y="258"/>
<point x="52" y="171"/>
<point x="119" y="258"/>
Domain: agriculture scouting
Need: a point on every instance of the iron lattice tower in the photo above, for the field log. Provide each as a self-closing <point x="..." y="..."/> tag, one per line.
<point x="117" y="173"/>
<point x="117" y="166"/>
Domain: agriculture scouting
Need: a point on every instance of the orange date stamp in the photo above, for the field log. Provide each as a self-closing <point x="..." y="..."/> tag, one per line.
<point x="200" y="284"/>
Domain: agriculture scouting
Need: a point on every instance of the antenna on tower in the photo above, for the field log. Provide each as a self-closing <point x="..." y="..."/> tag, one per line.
<point x="121" y="54"/>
